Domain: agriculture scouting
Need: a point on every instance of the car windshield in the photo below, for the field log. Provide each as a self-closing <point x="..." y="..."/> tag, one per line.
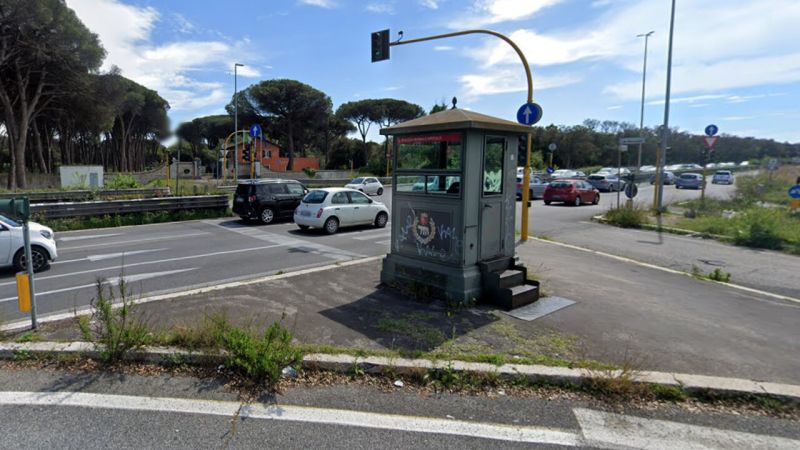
<point x="723" y="172"/>
<point x="688" y="176"/>
<point x="560" y="184"/>
<point x="9" y="222"/>
<point x="357" y="181"/>
<point x="315" y="197"/>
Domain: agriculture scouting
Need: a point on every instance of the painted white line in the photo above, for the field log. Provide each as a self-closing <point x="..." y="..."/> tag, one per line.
<point x="383" y="233"/>
<point x="93" y="236"/>
<point x="147" y="263"/>
<point x="605" y="430"/>
<point x="665" y="269"/>
<point x="93" y="258"/>
<point x="301" y="414"/>
<point x="136" y="241"/>
<point x="386" y="242"/>
<point x="111" y="281"/>
<point x="22" y="324"/>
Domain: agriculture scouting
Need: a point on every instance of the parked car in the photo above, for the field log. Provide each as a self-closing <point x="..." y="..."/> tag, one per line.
<point x="744" y="163"/>
<point x="606" y="181"/>
<point x="332" y="208"/>
<point x="622" y="170"/>
<point x="689" y="180"/>
<point x="722" y="177"/>
<point x="367" y="185"/>
<point x="535" y="188"/>
<point x="267" y="200"/>
<point x="576" y="192"/>
<point x="647" y="169"/>
<point x="668" y="178"/>
<point x="12" y="242"/>
<point x="567" y="173"/>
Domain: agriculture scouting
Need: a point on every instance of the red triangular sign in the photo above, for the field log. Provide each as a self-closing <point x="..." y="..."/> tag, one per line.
<point x="711" y="141"/>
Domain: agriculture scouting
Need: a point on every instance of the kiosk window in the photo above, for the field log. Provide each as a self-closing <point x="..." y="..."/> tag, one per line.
<point x="430" y="164"/>
<point x="493" y="166"/>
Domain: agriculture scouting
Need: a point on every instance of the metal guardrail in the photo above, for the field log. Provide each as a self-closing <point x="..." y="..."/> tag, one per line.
<point x="82" y="195"/>
<point x="116" y="207"/>
<point x="313" y="183"/>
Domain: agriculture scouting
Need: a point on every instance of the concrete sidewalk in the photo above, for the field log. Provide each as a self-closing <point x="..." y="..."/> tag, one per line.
<point x="625" y="314"/>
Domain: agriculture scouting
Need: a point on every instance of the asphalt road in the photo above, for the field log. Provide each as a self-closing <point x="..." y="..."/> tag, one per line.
<point x="176" y="256"/>
<point x="49" y="408"/>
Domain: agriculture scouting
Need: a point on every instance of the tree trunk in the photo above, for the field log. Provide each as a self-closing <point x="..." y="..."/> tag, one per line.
<point x="290" y="165"/>
<point x="39" y="149"/>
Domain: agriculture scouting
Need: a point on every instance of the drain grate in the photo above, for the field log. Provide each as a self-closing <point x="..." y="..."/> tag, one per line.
<point x="541" y="308"/>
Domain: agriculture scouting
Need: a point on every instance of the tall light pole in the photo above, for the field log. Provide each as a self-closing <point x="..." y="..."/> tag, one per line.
<point x="646" y="36"/>
<point x="665" y="129"/>
<point x="236" y="123"/>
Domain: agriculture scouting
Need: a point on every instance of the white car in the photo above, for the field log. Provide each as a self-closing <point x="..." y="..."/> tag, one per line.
<point x="367" y="185"/>
<point x="332" y="208"/>
<point x="12" y="251"/>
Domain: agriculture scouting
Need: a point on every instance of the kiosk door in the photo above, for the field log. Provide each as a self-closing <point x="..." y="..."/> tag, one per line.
<point x="492" y="198"/>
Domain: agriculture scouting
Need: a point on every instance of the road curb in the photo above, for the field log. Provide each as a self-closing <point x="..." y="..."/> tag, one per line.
<point x="344" y="363"/>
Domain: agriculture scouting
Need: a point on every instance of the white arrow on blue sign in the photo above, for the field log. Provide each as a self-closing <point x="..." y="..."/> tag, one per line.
<point x="550" y="170"/>
<point x="711" y="130"/>
<point x="529" y="114"/>
<point x="255" y="130"/>
<point x="794" y="191"/>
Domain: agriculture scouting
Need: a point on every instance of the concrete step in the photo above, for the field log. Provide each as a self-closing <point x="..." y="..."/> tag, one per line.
<point x="524" y="294"/>
<point x="495" y="265"/>
<point x="510" y="278"/>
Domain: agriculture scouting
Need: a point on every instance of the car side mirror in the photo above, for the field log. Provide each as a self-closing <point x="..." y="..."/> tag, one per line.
<point x="370" y="200"/>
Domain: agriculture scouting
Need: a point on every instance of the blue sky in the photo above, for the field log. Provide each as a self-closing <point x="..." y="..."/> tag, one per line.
<point x="736" y="62"/>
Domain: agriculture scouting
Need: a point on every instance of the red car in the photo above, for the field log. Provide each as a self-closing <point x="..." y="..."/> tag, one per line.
<point x="575" y="192"/>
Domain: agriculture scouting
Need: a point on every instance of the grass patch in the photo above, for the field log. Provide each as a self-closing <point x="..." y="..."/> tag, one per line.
<point x="114" y="330"/>
<point x="626" y="217"/>
<point x="205" y="336"/>
<point x="28" y="336"/>
<point x="714" y="275"/>
<point x="83" y="223"/>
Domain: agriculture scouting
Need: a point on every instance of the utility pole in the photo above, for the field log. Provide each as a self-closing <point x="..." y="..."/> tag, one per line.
<point x="665" y="130"/>
<point x="236" y="122"/>
<point x="641" y="114"/>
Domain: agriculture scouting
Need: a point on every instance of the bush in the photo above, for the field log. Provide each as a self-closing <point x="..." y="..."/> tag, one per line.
<point x="626" y="217"/>
<point x="260" y="358"/>
<point x="309" y="172"/>
<point x="123" y="182"/>
<point x="115" y="331"/>
<point x="759" y="228"/>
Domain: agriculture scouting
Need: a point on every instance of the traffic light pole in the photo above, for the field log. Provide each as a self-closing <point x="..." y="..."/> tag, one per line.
<point x="527" y="174"/>
<point x="29" y="266"/>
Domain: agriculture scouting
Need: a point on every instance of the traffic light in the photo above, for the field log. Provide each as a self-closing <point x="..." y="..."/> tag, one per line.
<point x="380" y="45"/>
<point x="522" y="151"/>
<point x="246" y="153"/>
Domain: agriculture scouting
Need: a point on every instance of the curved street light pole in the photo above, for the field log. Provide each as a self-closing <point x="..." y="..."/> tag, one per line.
<point x="527" y="174"/>
<point x="665" y="130"/>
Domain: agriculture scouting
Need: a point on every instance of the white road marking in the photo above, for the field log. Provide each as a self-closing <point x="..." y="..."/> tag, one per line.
<point x="136" y="241"/>
<point x="305" y="246"/>
<point x="80" y="238"/>
<point x="146" y="263"/>
<point x="604" y="429"/>
<point x="665" y="269"/>
<point x="221" y="285"/>
<point x="111" y="281"/>
<point x="371" y="235"/>
<point x="386" y="242"/>
<point x="93" y="258"/>
<point x="300" y="414"/>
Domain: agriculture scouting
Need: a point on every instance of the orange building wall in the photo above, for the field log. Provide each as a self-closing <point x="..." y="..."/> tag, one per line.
<point x="269" y="154"/>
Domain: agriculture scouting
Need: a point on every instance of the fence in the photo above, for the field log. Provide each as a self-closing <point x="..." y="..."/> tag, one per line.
<point x="314" y="183"/>
<point x="84" y="195"/>
<point x="115" y="207"/>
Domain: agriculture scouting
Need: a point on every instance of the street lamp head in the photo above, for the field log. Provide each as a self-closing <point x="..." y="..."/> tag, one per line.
<point x="238" y="65"/>
<point x="645" y="34"/>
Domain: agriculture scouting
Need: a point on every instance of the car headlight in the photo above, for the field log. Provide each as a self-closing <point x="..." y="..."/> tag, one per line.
<point x="46" y="234"/>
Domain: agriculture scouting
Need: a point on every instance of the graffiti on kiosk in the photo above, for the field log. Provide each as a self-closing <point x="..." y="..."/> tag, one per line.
<point x="429" y="233"/>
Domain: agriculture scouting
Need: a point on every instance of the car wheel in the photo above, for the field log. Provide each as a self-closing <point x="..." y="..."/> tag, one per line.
<point x="577" y="200"/>
<point x="332" y="225"/>
<point x="547" y="202"/>
<point x="267" y="215"/>
<point x="381" y="220"/>
<point x="303" y="227"/>
<point x="677" y="186"/>
<point x="380" y="191"/>
<point x="39" y="256"/>
<point x="596" y="200"/>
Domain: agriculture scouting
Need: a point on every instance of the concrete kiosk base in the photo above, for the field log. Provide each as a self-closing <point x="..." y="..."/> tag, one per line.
<point x="454" y="284"/>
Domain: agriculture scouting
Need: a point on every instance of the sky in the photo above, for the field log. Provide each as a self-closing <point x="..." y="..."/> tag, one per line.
<point x="736" y="63"/>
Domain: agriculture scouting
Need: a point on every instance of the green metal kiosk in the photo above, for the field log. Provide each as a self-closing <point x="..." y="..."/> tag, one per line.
<point x="454" y="208"/>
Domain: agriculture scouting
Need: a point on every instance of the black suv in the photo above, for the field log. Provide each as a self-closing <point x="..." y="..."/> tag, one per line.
<point x="267" y="200"/>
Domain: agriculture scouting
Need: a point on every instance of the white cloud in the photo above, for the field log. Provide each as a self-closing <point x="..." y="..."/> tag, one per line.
<point x="380" y="8"/>
<point x="321" y="3"/>
<point x="432" y="4"/>
<point x="488" y="12"/>
<point x="183" y="24"/>
<point x="443" y="48"/>
<point x="509" y="80"/>
<point x="164" y="68"/>
<point x="614" y="108"/>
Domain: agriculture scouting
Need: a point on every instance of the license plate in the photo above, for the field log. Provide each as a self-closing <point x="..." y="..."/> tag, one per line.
<point x="556" y="197"/>
<point x="239" y="200"/>
<point x="305" y="213"/>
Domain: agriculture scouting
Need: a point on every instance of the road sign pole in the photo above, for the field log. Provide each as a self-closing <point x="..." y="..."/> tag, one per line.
<point x="29" y="266"/>
<point x="619" y="173"/>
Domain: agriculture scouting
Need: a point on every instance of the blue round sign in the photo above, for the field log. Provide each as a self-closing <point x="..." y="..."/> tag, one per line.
<point x="550" y="170"/>
<point x="794" y="192"/>
<point x="711" y="130"/>
<point x="255" y="130"/>
<point x="529" y="113"/>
